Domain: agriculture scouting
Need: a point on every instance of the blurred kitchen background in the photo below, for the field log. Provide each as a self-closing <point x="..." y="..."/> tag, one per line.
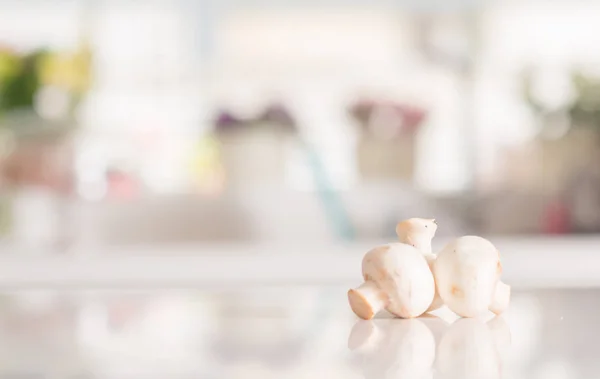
<point x="163" y="122"/>
<point x="238" y="157"/>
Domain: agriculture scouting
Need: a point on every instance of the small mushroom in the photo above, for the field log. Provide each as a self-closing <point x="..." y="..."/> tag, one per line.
<point x="397" y="278"/>
<point x="419" y="232"/>
<point x="467" y="273"/>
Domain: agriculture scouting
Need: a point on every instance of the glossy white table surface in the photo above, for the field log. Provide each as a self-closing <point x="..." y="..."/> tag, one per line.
<point x="237" y="311"/>
<point x="528" y="262"/>
<point x="287" y="332"/>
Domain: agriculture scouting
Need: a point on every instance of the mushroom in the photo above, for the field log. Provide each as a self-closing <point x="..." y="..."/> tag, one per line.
<point x="397" y="278"/>
<point x="467" y="273"/>
<point x="419" y="232"/>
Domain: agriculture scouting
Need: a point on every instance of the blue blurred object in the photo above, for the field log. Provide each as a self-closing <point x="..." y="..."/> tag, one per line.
<point x="330" y="199"/>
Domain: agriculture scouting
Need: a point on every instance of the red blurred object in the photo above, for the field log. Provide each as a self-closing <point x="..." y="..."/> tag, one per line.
<point x="556" y="219"/>
<point x="410" y="116"/>
<point x="38" y="164"/>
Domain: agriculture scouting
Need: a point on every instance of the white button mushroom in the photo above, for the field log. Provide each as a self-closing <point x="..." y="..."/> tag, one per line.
<point x="467" y="273"/>
<point x="397" y="278"/>
<point x="419" y="232"/>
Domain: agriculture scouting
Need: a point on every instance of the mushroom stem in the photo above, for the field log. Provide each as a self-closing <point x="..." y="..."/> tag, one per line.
<point x="437" y="302"/>
<point x="419" y="232"/>
<point x="501" y="298"/>
<point x="421" y="242"/>
<point x="367" y="300"/>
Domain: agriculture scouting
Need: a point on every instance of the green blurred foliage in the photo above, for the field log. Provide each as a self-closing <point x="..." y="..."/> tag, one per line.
<point x="20" y="81"/>
<point x="583" y="110"/>
<point x="21" y="76"/>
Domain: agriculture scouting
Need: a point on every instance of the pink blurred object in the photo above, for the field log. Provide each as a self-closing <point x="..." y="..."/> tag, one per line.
<point x="121" y="185"/>
<point x="556" y="219"/>
<point x="408" y="117"/>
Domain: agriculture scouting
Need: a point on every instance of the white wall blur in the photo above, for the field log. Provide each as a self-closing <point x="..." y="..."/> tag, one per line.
<point x="162" y="67"/>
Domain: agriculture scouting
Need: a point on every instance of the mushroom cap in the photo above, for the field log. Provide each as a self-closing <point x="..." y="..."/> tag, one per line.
<point x="401" y="272"/>
<point x="417" y="226"/>
<point x="466" y="272"/>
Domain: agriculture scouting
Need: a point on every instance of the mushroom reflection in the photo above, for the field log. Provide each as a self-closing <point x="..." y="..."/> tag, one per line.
<point x="397" y="348"/>
<point x="472" y="348"/>
<point x="393" y="348"/>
